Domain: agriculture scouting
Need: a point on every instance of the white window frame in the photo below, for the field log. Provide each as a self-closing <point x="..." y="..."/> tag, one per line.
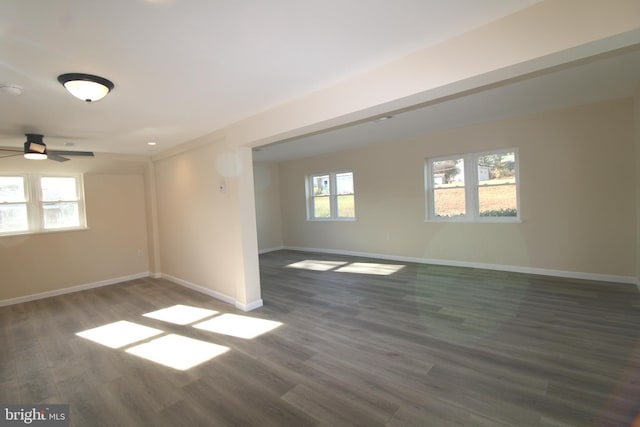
<point x="35" y="204"/>
<point x="471" y="188"/>
<point x="333" y="197"/>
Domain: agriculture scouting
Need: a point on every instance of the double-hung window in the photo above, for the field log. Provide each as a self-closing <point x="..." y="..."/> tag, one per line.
<point x="330" y="196"/>
<point x="60" y="202"/>
<point x="38" y="203"/>
<point x="473" y="187"/>
<point x="14" y="203"/>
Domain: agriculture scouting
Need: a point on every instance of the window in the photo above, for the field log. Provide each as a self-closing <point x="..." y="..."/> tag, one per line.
<point x="34" y="203"/>
<point x="449" y="199"/>
<point x="473" y="187"/>
<point x="60" y="202"/>
<point x="13" y="204"/>
<point x="330" y="196"/>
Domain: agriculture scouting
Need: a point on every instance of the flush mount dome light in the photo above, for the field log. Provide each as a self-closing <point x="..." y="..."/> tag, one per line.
<point x="86" y="87"/>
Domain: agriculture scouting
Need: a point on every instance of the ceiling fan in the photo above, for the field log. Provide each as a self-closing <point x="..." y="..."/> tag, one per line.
<point x="36" y="149"/>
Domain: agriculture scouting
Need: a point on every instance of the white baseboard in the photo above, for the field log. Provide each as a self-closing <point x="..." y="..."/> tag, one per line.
<point x="72" y="289"/>
<point x="258" y="303"/>
<point x="499" y="267"/>
<point x="222" y="297"/>
<point x="201" y="289"/>
<point x="250" y="306"/>
<point x="267" y="250"/>
<point x="215" y="294"/>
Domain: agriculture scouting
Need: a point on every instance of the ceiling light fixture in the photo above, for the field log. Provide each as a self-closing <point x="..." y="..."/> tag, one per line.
<point x="382" y="119"/>
<point x="10" y="89"/>
<point x="86" y="87"/>
<point x="34" y="147"/>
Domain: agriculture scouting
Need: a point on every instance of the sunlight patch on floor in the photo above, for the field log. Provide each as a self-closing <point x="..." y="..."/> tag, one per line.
<point x="119" y="334"/>
<point x="346" y="267"/>
<point x="371" y="268"/>
<point x="174" y="350"/>
<point x="181" y="314"/>
<point x="238" y="326"/>
<point x="316" y="265"/>
<point x="177" y="352"/>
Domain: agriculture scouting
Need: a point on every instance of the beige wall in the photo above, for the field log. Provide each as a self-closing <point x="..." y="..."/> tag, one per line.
<point x="636" y="121"/>
<point x="576" y="184"/>
<point x="268" y="213"/>
<point x="200" y="225"/>
<point x="210" y="239"/>
<point x="108" y="250"/>
<point x="529" y="41"/>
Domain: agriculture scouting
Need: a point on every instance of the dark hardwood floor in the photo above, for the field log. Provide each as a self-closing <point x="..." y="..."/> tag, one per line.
<point x="360" y="344"/>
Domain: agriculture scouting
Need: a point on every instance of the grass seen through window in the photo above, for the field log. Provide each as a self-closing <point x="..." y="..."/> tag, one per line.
<point x="473" y="186"/>
<point x="331" y="196"/>
<point x="346" y="208"/>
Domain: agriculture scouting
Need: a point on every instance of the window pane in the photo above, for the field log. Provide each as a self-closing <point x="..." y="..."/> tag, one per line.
<point x="13" y="218"/>
<point x="497" y="185"/>
<point x="12" y="189"/>
<point x="346" y="208"/>
<point x="448" y="183"/>
<point x="344" y="183"/>
<point x="321" y="186"/>
<point x="321" y="207"/>
<point x="58" y="188"/>
<point x="61" y="215"/>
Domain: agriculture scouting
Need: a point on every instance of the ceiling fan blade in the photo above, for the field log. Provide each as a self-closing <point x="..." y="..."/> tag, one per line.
<point x="56" y="157"/>
<point x="36" y="146"/>
<point x="12" y="155"/>
<point x="70" y="153"/>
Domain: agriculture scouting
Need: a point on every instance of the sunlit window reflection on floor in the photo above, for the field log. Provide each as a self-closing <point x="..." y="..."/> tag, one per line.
<point x="371" y="268"/>
<point x="173" y="350"/>
<point x="178" y="352"/>
<point x="345" y="267"/>
<point x="181" y="314"/>
<point x="316" y="265"/>
<point x="238" y="326"/>
<point x="119" y="334"/>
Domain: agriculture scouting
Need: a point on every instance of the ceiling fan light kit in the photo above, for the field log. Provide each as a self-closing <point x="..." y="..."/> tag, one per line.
<point x="35" y="156"/>
<point x="34" y="147"/>
<point x="86" y="87"/>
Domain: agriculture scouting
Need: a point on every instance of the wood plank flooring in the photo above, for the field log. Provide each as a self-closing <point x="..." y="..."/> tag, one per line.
<point x="423" y="346"/>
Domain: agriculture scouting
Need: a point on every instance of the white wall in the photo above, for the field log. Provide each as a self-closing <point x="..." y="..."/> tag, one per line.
<point x="577" y="194"/>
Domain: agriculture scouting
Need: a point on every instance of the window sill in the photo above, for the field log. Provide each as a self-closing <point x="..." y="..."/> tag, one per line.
<point x="33" y="233"/>
<point x="331" y="219"/>
<point x="496" y="220"/>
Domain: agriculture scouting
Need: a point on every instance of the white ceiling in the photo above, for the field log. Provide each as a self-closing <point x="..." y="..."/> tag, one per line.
<point x="183" y="69"/>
